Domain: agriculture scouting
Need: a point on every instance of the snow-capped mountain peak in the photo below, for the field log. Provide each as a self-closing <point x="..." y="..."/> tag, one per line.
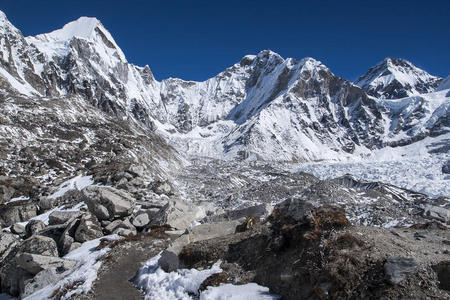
<point x="83" y="27"/>
<point x="57" y="42"/>
<point x="396" y="78"/>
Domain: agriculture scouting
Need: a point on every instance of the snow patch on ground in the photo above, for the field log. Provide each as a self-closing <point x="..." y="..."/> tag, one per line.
<point x="77" y="183"/>
<point x="160" y="285"/>
<point x="82" y="276"/>
<point x="21" y="198"/>
<point x="238" y="292"/>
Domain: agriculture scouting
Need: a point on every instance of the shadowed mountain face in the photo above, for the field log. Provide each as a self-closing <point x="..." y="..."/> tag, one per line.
<point x="263" y="107"/>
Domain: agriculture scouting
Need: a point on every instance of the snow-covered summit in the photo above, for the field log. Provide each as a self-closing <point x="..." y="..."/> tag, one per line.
<point x="395" y="78"/>
<point x="83" y="27"/>
<point x="57" y="42"/>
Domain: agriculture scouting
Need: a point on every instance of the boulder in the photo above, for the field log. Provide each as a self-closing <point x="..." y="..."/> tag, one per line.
<point x="62" y="217"/>
<point x="124" y="232"/>
<point x="397" y="269"/>
<point x="18" y="211"/>
<point x="136" y="171"/>
<point x="46" y="203"/>
<point x="17" y="228"/>
<point x="294" y="210"/>
<point x="34" y="263"/>
<point x="67" y="238"/>
<point x="33" y="227"/>
<point x="88" y="229"/>
<point x="75" y="245"/>
<point x="177" y="214"/>
<point x="7" y="242"/>
<point x="438" y="213"/>
<point x="140" y="219"/>
<point x="108" y="203"/>
<point x="204" y="232"/>
<point x="169" y="261"/>
<point x="42" y="279"/>
<point x="38" y="244"/>
<point x="114" y="226"/>
<point x="162" y="188"/>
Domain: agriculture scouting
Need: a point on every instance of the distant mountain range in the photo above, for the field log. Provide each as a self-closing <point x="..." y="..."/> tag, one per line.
<point x="262" y="107"/>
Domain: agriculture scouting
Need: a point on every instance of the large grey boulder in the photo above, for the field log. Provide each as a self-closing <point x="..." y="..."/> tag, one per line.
<point x="108" y="203"/>
<point x="123" y="228"/>
<point x="18" y="211"/>
<point x="33" y="227"/>
<point x="68" y="237"/>
<point x="294" y="210"/>
<point x="177" y="214"/>
<point x="38" y="244"/>
<point x="438" y="213"/>
<point x="169" y="261"/>
<point x="203" y="232"/>
<point x="47" y="277"/>
<point x="398" y="268"/>
<point x="62" y="217"/>
<point x="7" y="242"/>
<point x="88" y="229"/>
<point x="35" y="263"/>
<point x="140" y="219"/>
<point x="163" y="188"/>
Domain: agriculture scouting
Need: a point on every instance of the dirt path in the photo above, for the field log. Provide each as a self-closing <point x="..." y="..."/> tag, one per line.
<point x="120" y="266"/>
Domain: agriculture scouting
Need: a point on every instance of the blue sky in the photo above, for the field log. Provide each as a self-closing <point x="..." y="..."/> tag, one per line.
<point x="195" y="40"/>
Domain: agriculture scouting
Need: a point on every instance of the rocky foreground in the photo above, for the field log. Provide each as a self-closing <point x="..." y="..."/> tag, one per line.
<point x="301" y="237"/>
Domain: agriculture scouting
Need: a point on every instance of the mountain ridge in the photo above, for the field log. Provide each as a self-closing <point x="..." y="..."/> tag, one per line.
<point x="263" y="107"/>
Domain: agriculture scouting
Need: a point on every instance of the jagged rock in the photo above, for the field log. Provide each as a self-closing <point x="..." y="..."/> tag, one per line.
<point x="41" y="245"/>
<point x="176" y="213"/>
<point x="67" y="238"/>
<point x="108" y="203"/>
<point x="169" y="261"/>
<point x="17" y="228"/>
<point x="295" y="210"/>
<point x="18" y="211"/>
<point x="7" y="242"/>
<point x="42" y="279"/>
<point x="203" y="232"/>
<point x="114" y="226"/>
<point x="162" y="187"/>
<point x="136" y="171"/>
<point x="140" y="219"/>
<point x="33" y="227"/>
<point x="34" y="263"/>
<point x="438" y="213"/>
<point x="398" y="268"/>
<point x="443" y="271"/>
<point x="88" y="229"/>
<point x="61" y="217"/>
<point x="46" y="203"/>
<point x="6" y="193"/>
<point x="75" y="245"/>
<point x="124" y="232"/>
